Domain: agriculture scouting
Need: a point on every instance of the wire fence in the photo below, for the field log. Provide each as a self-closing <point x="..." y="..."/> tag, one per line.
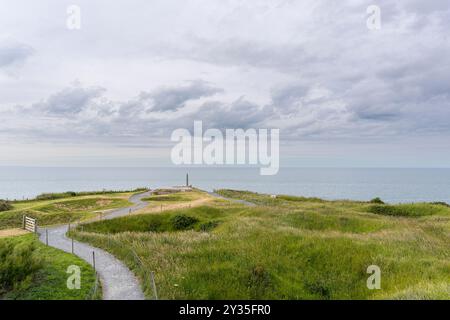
<point x="130" y="258"/>
<point x="136" y="263"/>
<point x="94" y="293"/>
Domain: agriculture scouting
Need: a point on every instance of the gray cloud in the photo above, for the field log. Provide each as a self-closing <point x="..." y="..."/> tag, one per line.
<point x="310" y="68"/>
<point x="172" y="99"/>
<point x="13" y="53"/>
<point x="70" y="101"/>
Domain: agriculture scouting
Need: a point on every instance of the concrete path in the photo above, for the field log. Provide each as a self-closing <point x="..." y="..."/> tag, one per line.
<point x="118" y="282"/>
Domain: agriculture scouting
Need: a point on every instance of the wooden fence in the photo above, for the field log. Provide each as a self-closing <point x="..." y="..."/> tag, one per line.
<point x="29" y="224"/>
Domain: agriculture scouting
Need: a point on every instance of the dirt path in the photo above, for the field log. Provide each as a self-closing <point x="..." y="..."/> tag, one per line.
<point x="118" y="282"/>
<point x="166" y="207"/>
<point x="12" y="232"/>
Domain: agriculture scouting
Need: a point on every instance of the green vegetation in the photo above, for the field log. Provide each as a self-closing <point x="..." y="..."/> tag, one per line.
<point x="167" y="221"/>
<point x="440" y="203"/>
<point x="18" y="263"/>
<point x="70" y="194"/>
<point x="409" y="210"/>
<point x="48" y="212"/>
<point x="169" y="197"/>
<point x="5" y="205"/>
<point x="30" y="270"/>
<point x="284" y="248"/>
<point x="264" y="200"/>
<point x="376" y="200"/>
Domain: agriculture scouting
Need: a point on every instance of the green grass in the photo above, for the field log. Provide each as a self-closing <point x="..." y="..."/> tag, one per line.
<point x="70" y="194"/>
<point x="168" y="197"/>
<point x="410" y="210"/>
<point x="29" y="270"/>
<point x="284" y="248"/>
<point x="265" y="200"/>
<point x="48" y="212"/>
<point x="198" y="219"/>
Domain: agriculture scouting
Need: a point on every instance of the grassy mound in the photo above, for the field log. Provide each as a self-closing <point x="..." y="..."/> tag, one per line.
<point x="201" y="219"/>
<point x="59" y="211"/>
<point x="70" y="194"/>
<point x="30" y="270"/>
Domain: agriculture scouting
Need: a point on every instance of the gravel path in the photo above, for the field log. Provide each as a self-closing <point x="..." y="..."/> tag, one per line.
<point x="118" y="282"/>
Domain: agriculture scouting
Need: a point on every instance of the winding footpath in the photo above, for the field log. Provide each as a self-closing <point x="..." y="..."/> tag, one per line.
<point x="118" y="282"/>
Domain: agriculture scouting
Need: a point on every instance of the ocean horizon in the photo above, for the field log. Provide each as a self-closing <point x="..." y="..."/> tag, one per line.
<point x="393" y="185"/>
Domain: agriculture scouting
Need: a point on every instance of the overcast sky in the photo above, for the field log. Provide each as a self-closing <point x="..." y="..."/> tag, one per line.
<point x="111" y="92"/>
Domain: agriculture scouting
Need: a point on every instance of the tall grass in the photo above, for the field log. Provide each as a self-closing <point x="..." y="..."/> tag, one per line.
<point x="18" y="265"/>
<point x="290" y="250"/>
<point x="30" y="270"/>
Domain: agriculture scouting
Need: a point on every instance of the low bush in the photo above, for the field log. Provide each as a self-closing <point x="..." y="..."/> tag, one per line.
<point x="183" y="222"/>
<point x="18" y="264"/>
<point x="5" y="205"/>
<point x="376" y="200"/>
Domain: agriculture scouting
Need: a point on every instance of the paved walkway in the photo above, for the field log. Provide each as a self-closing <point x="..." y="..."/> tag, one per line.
<point x="118" y="282"/>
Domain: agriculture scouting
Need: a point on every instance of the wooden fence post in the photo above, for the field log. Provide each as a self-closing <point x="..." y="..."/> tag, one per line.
<point x="46" y="237"/>
<point x="93" y="260"/>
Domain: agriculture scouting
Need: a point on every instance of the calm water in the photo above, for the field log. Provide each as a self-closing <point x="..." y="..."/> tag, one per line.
<point x="392" y="185"/>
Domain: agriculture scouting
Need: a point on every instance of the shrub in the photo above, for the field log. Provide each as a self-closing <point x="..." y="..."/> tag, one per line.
<point x="54" y="196"/>
<point x="387" y="210"/>
<point x="441" y="203"/>
<point x="5" y="205"/>
<point x="376" y="200"/>
<point x="182" y="222"/>
<point x="18" y="264"/>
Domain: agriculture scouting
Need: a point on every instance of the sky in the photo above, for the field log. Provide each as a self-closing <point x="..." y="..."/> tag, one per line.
<point x="111" y="92"/>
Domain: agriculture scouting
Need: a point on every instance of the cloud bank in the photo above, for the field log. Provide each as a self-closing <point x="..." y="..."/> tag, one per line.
<point x="311" y="68"/>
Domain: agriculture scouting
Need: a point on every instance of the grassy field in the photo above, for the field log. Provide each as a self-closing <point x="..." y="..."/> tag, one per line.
<point x="32" y="271"/>
<point x="62" y="208"/>
<point x="284" y="248"/>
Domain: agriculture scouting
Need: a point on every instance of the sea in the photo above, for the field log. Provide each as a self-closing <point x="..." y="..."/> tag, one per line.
<point x="392" y="185"/>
